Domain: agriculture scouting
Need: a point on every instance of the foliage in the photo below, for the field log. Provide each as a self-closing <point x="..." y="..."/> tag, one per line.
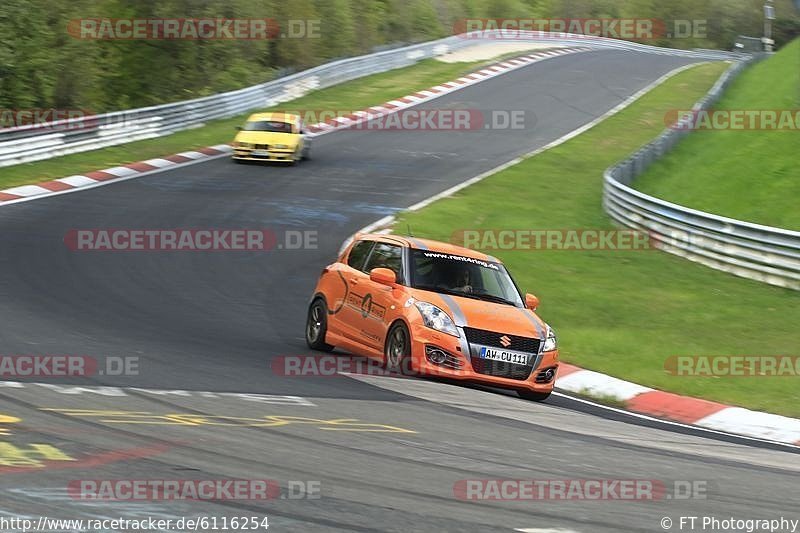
<point x="42" y="65"/>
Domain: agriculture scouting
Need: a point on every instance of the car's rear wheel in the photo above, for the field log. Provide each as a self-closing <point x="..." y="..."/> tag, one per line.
<point x="397" y="353"/>
<point x="317" y="326"/>
<point x="527" y="394"/>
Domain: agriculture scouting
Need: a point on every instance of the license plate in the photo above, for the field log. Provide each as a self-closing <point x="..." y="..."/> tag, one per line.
<point x="261" y="153"/>
<point x="505" y="356"/>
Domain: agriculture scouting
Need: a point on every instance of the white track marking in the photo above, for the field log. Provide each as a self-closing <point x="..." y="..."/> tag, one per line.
<point x="77" y="181"/>
<point x="76" y="390"/>
<point x="764" y="425"/>
<point x="158" y="162"/>
<point x="120" y="172"/>
<point x="597" y="384"/>
<point x="27" y="190"/>
<point x="116" y="180"/>
<point x="675" y="424"/>
<point x="193" y="155"/>
<point x="570" y="420"/>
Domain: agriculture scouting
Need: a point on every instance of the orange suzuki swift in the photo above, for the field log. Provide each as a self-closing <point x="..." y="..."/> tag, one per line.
<point x="432" y="308"/>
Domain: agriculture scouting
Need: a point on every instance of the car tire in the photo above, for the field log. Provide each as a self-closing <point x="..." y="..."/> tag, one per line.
<point x="306" y="154"/>
<point x="317" y="326"/>
<point x="533" y="396"/>
<point x="397" y="352"/>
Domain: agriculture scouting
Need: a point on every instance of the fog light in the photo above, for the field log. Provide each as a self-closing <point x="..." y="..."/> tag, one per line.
<point x="439" y="357"/>
<point x="547" y="375"/>
<point x="436" y="356"/>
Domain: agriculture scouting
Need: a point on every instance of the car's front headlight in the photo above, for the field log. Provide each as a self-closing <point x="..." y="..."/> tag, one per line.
<point x="435" y="318"/>
<point x="550" y="342"/>
<point x="280" y="146"/>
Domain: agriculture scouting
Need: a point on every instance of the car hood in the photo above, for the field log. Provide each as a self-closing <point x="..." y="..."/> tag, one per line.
<point x="267" y="137"/>
<point x="491" y="316"/>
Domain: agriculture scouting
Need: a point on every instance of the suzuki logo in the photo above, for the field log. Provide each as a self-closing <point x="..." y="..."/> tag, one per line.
<point x="505" y="341"/>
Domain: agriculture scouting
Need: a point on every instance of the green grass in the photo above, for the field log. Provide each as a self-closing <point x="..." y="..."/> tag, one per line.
<point x="353" y="95"/>
<point x="749" y="175"/>
<point x="625" y="313"/>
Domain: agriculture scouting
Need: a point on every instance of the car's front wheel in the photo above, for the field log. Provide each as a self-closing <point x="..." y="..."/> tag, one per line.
<point x="397" y="353"/>
<point x="317" y="326"/>
<point x="527" y="394"/>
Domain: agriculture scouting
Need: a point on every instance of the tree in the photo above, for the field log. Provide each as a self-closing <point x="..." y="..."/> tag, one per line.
<point x="337" y="29"/>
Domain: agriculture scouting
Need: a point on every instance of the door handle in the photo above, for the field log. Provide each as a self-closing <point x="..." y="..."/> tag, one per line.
<point x="354" y="281"/>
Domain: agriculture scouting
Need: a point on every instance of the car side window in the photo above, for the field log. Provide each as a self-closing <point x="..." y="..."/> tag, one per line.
<point x="358" y="254"/>
<point x="387" y="256"/>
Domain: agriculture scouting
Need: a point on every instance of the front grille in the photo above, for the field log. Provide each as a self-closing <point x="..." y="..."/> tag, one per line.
<point x="492" y="338"/>
<point x="261" y="146"/>
<point x="501" y="369"/>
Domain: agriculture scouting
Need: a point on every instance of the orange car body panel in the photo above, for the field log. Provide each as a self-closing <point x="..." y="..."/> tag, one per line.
<point x="361" y="311"/>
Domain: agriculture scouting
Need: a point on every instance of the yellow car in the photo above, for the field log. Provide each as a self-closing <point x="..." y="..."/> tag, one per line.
<point x="271" y="137"/>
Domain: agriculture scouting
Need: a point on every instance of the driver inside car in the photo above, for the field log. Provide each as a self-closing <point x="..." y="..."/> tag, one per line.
<point x="461" y="280"/>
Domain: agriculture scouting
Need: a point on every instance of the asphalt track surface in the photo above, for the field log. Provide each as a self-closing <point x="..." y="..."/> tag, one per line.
<point x="212" y="323"/>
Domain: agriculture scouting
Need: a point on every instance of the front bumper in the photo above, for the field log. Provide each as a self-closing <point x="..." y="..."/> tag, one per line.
<point x="246" y="154"/>
<point x="534" y="378"/>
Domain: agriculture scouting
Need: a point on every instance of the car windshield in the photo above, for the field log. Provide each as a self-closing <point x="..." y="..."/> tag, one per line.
<point x="268" y="125"/>
<point x="463" y="276"/>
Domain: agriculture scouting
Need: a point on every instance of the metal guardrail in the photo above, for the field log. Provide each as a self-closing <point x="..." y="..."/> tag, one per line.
<point x="763" y="253"/>
<point x="43" y="141"/>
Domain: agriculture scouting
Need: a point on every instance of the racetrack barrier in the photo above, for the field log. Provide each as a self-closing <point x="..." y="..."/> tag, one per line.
<point x="763" y="253"/>
<point x="33" y="142"/>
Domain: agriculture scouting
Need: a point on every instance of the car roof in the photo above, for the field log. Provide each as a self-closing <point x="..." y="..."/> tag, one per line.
<point x="274" y="117"/>
<point x="429" y="245"/>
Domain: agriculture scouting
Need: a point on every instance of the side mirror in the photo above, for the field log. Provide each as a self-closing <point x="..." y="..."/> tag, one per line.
<point x="384" y="276"/>
<point x="238" y="128"/>
<point x="531" y="302"/>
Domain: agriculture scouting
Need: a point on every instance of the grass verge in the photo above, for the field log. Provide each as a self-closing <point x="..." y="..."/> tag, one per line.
<point x="750" y="175"/>
<point x="356" y="94"/>
<point x="625" y="313"/>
